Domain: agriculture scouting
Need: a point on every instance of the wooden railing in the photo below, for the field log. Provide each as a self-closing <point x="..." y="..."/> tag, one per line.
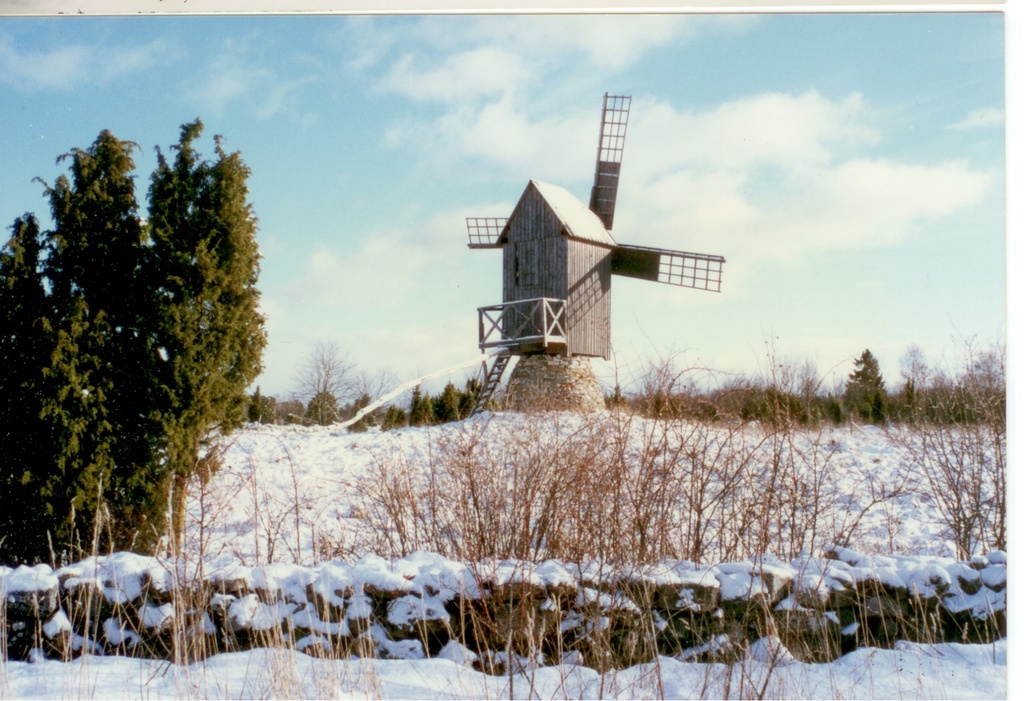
<point x="525" y="324"/>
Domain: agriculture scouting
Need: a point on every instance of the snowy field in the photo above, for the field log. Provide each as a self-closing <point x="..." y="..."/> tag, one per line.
<point x="293" y="495"/>
<point x="908" y="672"/>
<point x="299" y="494"/>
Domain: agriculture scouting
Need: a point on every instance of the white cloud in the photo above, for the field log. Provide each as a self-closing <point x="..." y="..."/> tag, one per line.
<point x="791" y="131"/>
<point x="58" y="69"/>
<point x="385" y="267"/>
<point x="114" y="62"/>
<point x="480" y="72"/>
<point x="364" y="40"/>
<point x="237" y="78"/>
<point x="488" y="57"/>
<point x="855" y="205"/>
<point x="501" y="135"/>
<point x="859" y="204"/>
<point x="686" y="201"/>
<point x="980" y="118"/>
<point x="886" y="190"/>
<point x="601" y="42"/>
<point x="592" y="42"/>
<point x="502" y="139"/>
<point x="74" y="65"/>
<point x="391" y="266"/>
<point x="518" y="91"/>
<point x="418" y="347"/>
<point x="775" y="177"/>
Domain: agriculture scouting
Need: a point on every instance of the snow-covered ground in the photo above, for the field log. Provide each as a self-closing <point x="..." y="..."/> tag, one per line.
<point x="907" y="672"/>
<point x="299" y="495"/>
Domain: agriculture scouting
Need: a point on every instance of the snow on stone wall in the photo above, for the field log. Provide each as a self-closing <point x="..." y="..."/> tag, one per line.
<point x="423" y="605"/>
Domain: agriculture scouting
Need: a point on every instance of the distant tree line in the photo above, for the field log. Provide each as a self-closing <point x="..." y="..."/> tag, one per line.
<point x="792" y="394"/>
<point x="423" y="409"/>
<point x="332" y="389"/>
<point x="974" y="392"/>
<point x="126" y="345"/>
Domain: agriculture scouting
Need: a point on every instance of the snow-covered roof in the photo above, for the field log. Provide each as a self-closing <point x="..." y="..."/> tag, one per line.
<point x="576" y="217"/>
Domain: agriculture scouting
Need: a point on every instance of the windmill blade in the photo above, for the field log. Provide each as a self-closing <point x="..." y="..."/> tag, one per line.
<point x="698" y="271"/>
<point x="485" y="231"/>
<point x="609" y="157"/>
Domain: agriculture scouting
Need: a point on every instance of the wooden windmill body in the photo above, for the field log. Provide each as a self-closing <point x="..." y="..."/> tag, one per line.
<point x="558" y="261"/>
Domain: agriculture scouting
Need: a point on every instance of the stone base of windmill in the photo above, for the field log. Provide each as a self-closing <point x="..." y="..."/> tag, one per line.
<point x="553" y="383"/>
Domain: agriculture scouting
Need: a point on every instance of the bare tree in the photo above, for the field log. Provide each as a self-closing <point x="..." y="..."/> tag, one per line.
<point x="327" y="371"/>
<point x="375" y="384"/>
<point x="913" y="366"/>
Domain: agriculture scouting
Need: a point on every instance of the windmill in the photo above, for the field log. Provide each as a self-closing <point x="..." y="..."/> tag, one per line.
<point x="558" y="260"/>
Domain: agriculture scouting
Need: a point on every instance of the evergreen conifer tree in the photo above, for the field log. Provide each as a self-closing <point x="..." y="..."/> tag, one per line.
<point x="865" y="390"/>
<point x="421" y="408"/>
<point x="395" y="417"/>
<point x="76" y="406"/>
<point x="101" y="386"/>
<point x="467" y="398"/>
<point x="322" y="409"/>
<point x="205" y="262"/>
<point x="364" y="400"/>
<point x="121" y="359"/>
<point x="261" y="409"/>
<point x="446" y="404"/>
<point x="26" y="446"/>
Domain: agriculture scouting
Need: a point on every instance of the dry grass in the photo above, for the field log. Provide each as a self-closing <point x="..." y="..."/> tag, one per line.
<point x="616" y="488"/>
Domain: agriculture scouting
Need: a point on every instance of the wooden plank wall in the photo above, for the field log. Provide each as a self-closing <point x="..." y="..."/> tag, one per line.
<point x="535" y="238"/>
<point x="589" y="299"/>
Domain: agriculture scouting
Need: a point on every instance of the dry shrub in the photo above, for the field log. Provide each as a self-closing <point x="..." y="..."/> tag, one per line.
<point x="613" y="487"/>
<point x="962" y="470"/>
<point x="955" y="446"/>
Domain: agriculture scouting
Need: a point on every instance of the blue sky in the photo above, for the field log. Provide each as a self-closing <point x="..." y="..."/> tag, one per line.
<point x="850" y="167"/>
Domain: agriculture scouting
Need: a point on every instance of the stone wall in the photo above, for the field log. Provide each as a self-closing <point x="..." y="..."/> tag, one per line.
<point x="425" y="605"/>
<point x="553" y="383"/>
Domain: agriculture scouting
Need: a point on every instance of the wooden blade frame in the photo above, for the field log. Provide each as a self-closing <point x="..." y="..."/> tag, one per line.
<point x="609" y="157"/>
<point x="484" y="231"/>
<point x="697" y="271"/>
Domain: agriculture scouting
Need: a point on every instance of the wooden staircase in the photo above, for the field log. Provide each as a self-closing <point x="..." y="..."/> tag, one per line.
<point x="492" y="379"/>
